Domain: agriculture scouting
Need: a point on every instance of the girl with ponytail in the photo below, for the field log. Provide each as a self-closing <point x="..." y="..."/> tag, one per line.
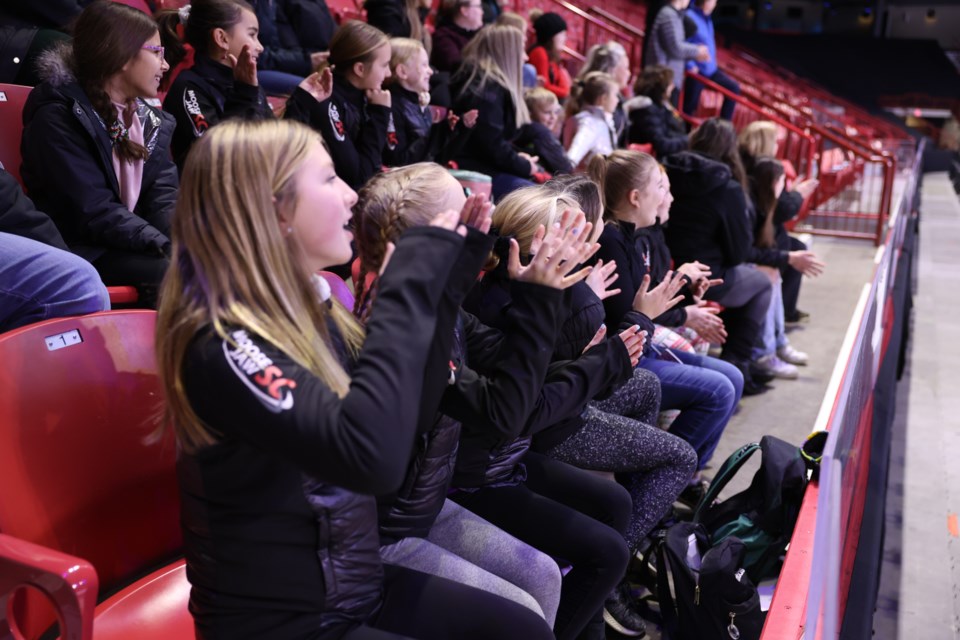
<point x="96" y="157"/>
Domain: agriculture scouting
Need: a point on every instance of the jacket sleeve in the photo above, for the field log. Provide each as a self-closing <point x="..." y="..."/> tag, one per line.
<point x="670" y="36"/>
<point x="502" y="383"/>
<point x="489" y="139"/>
<point x="389" y="17"/>
<point x="158" y="197"/>
<point x="56" y="144"/>
<point x="446" y="54"/>
<point x="20" y="217"/>
<point x="274" y="55"/>
<point x="584" y="141"/>
<point x="736" y="236"/>
<point x="649" y="126"/>
<point x="551" y="153"/>
<point x="361" y="441"/>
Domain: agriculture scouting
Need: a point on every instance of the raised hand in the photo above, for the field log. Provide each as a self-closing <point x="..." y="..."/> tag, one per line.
<point x="597" y="338"/>
<point x="694" y="270"/>
<point x="379" y="97"/>
<point x="633" y="339"/>
<point x="700" y="287"/>
<point x="449" y="220"/>
<point x="244" y="67"/>
<point x="319" y="84"/>
<point x="562" y="251"/>
<point x="653" y="302"/>
<point x="602" y="277"/>
<point x="705" y="321"/>
<point x="477" y="212"/>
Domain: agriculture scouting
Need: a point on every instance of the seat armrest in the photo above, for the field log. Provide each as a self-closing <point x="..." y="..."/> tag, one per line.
<point x="69" y="582"/>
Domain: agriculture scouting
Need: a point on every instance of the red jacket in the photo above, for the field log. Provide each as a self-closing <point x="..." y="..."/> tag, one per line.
<point x="555" y="76"/>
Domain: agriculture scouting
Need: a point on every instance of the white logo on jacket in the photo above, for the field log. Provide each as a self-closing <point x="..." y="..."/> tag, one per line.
<point x="336" y="124"/>
<point x="258" y="372"/>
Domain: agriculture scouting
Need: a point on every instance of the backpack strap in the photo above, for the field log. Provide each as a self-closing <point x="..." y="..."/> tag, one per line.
<point x="726" y="472"/>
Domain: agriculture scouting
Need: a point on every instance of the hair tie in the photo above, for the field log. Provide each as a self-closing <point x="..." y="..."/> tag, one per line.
<point x="184" y="13"/>
<point x="119" y="132"/>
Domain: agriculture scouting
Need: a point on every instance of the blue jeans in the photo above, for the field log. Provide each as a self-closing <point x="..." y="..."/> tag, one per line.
<point x="774" y="333"/>
<point x="705" y="390"/>
<point x="692" y="89"/>
<point x="278" y="83"/>
<point x="39" y="282"/>
<point x="504" y="183"/>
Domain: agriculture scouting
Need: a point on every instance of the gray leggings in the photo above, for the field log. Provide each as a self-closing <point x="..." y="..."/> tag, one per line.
<point x="466" y="548"/>
<point x="617" y="437"/>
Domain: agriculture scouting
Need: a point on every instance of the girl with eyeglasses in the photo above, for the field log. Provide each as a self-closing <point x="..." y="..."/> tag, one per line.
<point x="96" y="156"/>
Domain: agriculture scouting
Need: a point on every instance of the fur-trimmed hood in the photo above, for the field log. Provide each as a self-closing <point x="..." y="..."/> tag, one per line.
<point x="55" y="66"/>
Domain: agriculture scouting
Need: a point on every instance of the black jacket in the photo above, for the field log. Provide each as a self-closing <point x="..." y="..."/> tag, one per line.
<point x="68" y="169"/>
<point x="788" y="207"/>
<point x="535" y="139"/>
<point x="280" y="526"/>
<point x="652" y="247"/>
<point x="413" y="137"/>
<point x="448" y="43"/>
<point x="657" y="125"/>
<point x="390" y="16"/>
<point x="19" y="217"/>
<point x="355" y="132"/>
<point x="412" y="510"/>
<point x="305" y="24"/>
<point x="709" y="218"/>
<point x="574" y="379"/>
<point x="490" y="148"/>
<point x="278" y="55"/>
<point x="205" y="94"/>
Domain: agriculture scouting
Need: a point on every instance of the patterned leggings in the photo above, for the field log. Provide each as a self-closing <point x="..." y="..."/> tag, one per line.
<point x="617" y="437"/>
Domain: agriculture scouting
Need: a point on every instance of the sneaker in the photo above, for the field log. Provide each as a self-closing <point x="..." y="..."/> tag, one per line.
<point x="793" y="356"/>
<point x="620" y="615"/>
<point x="777" y="367"/>
<point x="796" y="317"/>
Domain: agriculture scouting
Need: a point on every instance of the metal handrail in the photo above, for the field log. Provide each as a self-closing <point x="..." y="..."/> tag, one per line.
<point x="620" y="22"/>
<point x="756" y="106"/>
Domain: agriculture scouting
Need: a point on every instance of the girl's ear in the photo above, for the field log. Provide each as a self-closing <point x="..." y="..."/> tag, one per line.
<point x="634" y="198"/>
<point x="359" y="69"/>
<point x="221" y="39"/>
<point x="284" y="215"/>
<point x="401" y="71"/>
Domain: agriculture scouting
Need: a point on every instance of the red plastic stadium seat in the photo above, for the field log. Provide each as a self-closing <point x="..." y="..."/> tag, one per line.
<point x="89" y="486"/>
<point x="122" y="295"/>
<point x="12" y="99"/>
<point x="643" y="148"/>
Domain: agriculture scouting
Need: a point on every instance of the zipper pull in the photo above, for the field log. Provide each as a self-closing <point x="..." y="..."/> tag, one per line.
<point x="732" y="628"/>
<point x="453" y="373"/>
<point x="696" y="595"/>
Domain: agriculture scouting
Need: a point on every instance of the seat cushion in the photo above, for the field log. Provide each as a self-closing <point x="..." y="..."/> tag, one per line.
<point x="152" y="608"/>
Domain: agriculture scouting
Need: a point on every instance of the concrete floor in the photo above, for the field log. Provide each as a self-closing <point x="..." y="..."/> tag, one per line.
<point x="920" y="580"/>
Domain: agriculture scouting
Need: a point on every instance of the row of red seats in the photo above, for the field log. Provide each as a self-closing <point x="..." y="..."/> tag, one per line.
<point x="90" y="501"/>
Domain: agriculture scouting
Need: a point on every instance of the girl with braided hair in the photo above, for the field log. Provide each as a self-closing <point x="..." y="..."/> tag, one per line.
<point x="96" y="156"/>
<point x="500" y="394"/>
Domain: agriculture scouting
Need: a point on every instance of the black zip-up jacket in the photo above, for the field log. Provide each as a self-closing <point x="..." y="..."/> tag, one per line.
<point x="413" y="137"/>
<point x="306" y="24"/>
<point x="68" y="169"/>
<point x="537" y="140"/>
<point x="652" y="247"/>
<point x="709" y="218"/>
<point x="19" y="217"/>
<point x="279" y="519"/>
<point x="657" y="125"/>
<point x="490" y="148"/>
<point x="412" y="510"/>
<point x="205" y="94"/>
<point x="355" y="131"/>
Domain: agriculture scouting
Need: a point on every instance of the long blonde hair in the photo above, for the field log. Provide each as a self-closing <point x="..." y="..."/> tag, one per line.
<point x="759" y="138"/>
<point x="233" y="267"/>
<point x="495" y="54"/>
<point x="389" y="204"/>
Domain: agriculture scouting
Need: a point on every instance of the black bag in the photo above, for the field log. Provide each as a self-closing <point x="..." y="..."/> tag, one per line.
<point x="763" y="515"/>
<point x="703" y="590"/>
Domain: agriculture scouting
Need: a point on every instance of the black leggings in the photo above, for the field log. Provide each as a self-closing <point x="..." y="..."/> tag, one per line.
<point x="791" y="279"/>
<point x="425" y="607"/>
<point x="571" y="515"/>
<point x="125" y="268"/>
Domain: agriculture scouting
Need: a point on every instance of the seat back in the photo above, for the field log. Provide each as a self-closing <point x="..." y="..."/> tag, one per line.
<point x="12" y="99"/>
<point x="81" y="467"/>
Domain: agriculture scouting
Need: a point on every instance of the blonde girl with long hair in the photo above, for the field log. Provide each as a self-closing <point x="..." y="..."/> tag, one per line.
<point x="491" y="80"/>
<point x="290" y="416"/>
<point x="500" y="395"/>
<point x="353" y="120"/>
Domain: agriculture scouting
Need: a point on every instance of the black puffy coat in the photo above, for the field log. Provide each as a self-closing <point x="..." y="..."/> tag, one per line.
<point x="306" y="24"/>
<point x="709" y="218"/>
<point x="68" y="169"/>
<point x="277" y="54"/>
<point x="19" y="217"/>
